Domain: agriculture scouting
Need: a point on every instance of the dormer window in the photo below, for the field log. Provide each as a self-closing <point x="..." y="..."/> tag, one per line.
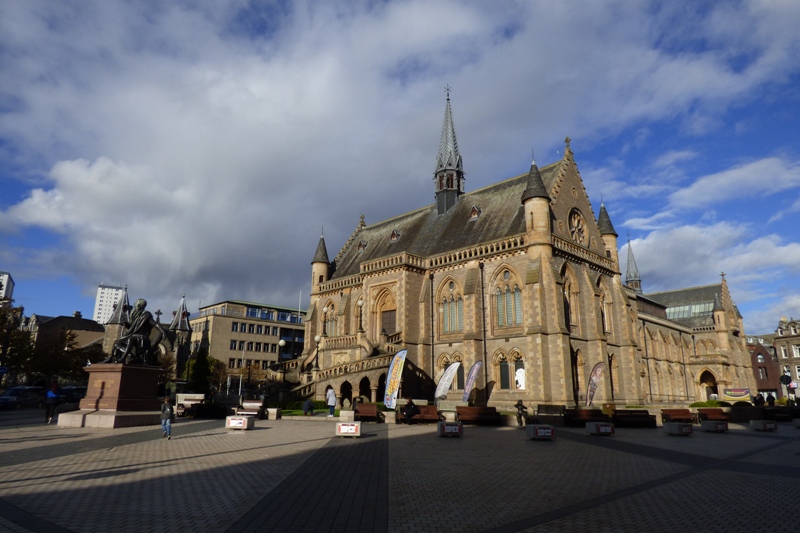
<point x="361" y="246"/>
<point x="395" y="235"/>
<point x="474" y="213"/>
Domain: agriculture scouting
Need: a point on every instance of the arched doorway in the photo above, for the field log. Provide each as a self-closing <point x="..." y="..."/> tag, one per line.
<point x="346" y="391"/>
<point x="363" y="388"/>
<point x="709" y="384"/>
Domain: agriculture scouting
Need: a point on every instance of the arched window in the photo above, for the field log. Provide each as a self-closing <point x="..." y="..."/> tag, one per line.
<point x="508" y="304"/>
<point x="502" y="369"/>
<point x="519" y="373"/>
<point x="451" y="310"/>
<point x="760" y="358"/>
<point x="329" y="317"/>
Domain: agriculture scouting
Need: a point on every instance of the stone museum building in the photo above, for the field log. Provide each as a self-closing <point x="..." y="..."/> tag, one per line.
<point x="525" y="278"/>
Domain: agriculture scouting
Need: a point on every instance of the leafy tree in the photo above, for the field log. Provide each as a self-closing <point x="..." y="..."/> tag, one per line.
<point x="218" y="377"/>
<point x="16" y="347"/>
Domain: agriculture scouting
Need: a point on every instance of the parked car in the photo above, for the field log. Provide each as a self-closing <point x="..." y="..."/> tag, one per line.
<point x="70" y="394"/>
<point x="18" y="397"/>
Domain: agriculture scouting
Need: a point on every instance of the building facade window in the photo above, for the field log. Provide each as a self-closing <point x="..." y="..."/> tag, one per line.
<point x="760" y="358"/>
<point x="508" y="308"/>
<point x="519" y="373"/>
<point x="235" y="327"/>
<point x="784" y="355"/>
<point x="502" y="369"/>
<point x="233" y="344"/>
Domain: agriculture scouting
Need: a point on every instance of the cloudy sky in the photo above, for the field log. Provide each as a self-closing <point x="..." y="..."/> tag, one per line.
<point x="202" y="147"/>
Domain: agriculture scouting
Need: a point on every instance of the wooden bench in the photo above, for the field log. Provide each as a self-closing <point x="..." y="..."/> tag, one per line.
<point x="550" y="414"/>
<point x="478" y="415"/>
<point x="251" y="407"/>
<point x="634" y="418"/>
<point x="677" y="415"/>
<point x="713" y="413"/>
<point x="579" y="417"/>
<point x="427" y="413"/>
<point x="185" y="403"/>
<point x="367" y="410"/>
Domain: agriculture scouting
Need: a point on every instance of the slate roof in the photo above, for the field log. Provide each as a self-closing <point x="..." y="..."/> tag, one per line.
<point x="424" y="233"/>
<point x="692" y="295"/>
<point x="604" y="222"/>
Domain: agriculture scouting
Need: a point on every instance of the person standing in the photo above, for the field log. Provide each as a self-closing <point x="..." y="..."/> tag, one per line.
<point x="167" y="416"/>
<point x="771" y="400"/>
<point x="330" y="398"/>
<point x="522" y="413"/>
<point x="50" y="402"/>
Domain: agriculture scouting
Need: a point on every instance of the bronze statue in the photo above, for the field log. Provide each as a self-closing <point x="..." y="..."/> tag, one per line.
<point x="142" y="335"/>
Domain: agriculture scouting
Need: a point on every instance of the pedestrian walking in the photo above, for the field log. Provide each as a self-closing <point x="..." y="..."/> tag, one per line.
<point x="522" y="413"/>
<point x="330" y="397"/>
<point x="51" y="401"/>
<point x="167" y="416"/>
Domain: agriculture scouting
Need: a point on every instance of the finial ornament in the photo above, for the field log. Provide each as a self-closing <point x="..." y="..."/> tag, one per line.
<point x="722" y="274"/>
<point x="567" y="141"/>
<point x="447" y="90"/>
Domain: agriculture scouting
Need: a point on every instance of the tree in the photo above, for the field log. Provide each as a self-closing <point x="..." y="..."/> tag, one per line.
<point x="199" y="372"/>
<point x="16" y="347"/>
<point x="219" y="373"/>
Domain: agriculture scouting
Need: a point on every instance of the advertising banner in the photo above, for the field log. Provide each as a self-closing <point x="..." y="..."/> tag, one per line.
<point x="736" y="395"/>
<point x="447" y="380"/>
<point x="393" y="379"/>
<point x="473" y="374"/>
<point x="594" y="381"/>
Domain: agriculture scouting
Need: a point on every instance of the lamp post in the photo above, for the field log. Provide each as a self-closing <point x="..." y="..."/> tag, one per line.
<point x="325" y="321"/>
<point x="281" y="343"/>
<point x="360" y="314"/>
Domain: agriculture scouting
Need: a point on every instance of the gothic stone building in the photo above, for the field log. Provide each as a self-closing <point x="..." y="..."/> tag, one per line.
<point x="520" y="275"/>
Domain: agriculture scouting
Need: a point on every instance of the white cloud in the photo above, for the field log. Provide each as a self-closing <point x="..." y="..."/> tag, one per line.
<point x="176" y="152"/>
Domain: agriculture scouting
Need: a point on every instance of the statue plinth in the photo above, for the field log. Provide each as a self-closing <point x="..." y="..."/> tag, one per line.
<point x="118" y="387"/>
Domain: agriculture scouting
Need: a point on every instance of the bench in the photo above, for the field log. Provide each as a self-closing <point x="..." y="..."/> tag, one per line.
<point x="579" y="417"/>
<point x="252" y="408"/>
<point x="677" y="415"/>
<point x="427" y="413"/>
<point x="367" y="410"/>
<point x="550" y="414"/>
<point x="478" y="415"/>
<point x="634" y="418"/>
<point x="185" y="403"/>
<point x="713" y="413"/>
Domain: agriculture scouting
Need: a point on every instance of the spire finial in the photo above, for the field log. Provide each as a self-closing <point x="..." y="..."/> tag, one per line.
<point x="567" y="141"/>
<point x="533" y="158"/>
<point x="447" y="90"/>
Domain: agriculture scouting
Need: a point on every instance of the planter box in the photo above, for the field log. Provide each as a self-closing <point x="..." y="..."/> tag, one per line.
<point x="764" y="425"/>
<point x="540" y="431"/>
<point x="678" y="428"/>
<point x="450" y="429"/>
<point x="240" y="422"/>
<point x="600" y="428"/>
<point x="714" y="426"/>
<point x="348" y="429"/>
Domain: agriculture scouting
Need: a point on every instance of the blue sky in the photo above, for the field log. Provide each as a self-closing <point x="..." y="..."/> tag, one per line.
<point x="200" y="147"/>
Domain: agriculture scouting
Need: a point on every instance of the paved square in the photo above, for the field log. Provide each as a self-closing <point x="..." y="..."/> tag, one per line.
<point x="293" y="475"/>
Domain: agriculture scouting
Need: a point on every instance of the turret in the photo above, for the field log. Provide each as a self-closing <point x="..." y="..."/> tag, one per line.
<point x="536" y="202"/>
<point x="320" y="265"/>
<point x="608" y="235"/>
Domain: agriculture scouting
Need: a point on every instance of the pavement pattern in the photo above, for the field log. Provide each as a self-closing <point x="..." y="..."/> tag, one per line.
<point x="295" y="475"/>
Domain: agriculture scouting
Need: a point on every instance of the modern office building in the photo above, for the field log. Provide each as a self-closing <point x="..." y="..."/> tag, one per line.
<point x="6" y="288"/>
<point x="241" y="334"/>
<point x="107" y="297"/>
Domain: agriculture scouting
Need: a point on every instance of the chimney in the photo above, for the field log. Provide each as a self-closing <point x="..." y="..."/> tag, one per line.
<point x="77" y="314"/>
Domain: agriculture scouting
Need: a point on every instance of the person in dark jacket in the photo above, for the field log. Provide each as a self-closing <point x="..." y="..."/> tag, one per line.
<point x="522" y="413"/>
<point x="51" y="401"/>
<point x="409" y="411"/>
<point x="167" y="415"/>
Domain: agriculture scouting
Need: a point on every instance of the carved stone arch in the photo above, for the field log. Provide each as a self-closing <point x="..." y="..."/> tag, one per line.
<point x="506" y="302"/>
<point x="442" y="361"/>
<point x="500" y="368"/>
<point x="701" y="348"/>
<point x="497" y="277"/>
<point x="443" y="290"/>
<point x="711" y="346"/>
<point x="570" y="296"/>
<point x="385" y="312"/>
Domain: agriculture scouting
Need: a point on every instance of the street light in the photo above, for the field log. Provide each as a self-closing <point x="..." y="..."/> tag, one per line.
<point x="316" y="353"/>
<point x="281" y="343"/>
<point x="360" y="314"/>
<point x="325" y="321"/>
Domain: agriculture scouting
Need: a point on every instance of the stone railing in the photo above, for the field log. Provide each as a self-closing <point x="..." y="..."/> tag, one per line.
<point x="582" y="253"/>
<point x="356" y="366"/>
<point x="506" y="245"/>
<point x="337" y="343"/>
<point x="394" y="261"/>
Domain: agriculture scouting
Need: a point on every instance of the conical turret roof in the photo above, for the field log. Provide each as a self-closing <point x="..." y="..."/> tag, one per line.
<point x="604" y="222"/>
<point x="321" y="255"/>
<point x="535" y="188"/>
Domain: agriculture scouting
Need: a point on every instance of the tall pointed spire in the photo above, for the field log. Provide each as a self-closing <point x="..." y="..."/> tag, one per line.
<point x="121" y="314"/>
<point x="632" y="273"/>
<point x="449" y="173"/>
<point x="180" y="322"/>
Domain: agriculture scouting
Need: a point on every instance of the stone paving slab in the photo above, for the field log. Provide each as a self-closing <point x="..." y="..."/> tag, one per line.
<point x="292" y="475"/>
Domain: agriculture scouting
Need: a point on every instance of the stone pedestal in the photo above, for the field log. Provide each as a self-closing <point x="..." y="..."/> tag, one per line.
<point x="117" y="387"/>
<point x="240" y="422"/>
<point x="118" y="396"/>
<point x="764" y="425"/>
<point x="714" y="426"/>
<point x="274" y="413"/>
<point x="540" y="431"/>
<point x="450" y="429"/>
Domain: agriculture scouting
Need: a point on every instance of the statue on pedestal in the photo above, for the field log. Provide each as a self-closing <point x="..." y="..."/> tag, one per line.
<point x="140" y="338"/>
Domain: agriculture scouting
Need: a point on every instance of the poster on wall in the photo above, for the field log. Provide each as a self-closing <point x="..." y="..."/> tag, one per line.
<point x="736" y="395"/>
<point x="393" y="379"/>
<point x="473" y="374"/>
<point x="594" y="381"/>
<point x="446" y="381"/>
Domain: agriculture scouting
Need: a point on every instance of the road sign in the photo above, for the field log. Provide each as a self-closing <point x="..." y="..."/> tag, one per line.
<point x="785" y="379"/>
<point x="3" y="370"/>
